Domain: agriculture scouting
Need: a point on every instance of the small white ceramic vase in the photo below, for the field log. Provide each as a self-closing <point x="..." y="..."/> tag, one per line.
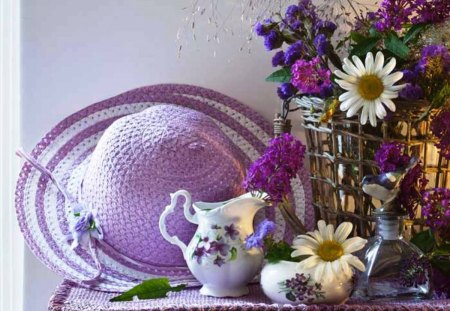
<point x="283" y="283"/>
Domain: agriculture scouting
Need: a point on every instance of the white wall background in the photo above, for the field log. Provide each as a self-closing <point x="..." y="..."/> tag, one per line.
<point x="79" y="52"/>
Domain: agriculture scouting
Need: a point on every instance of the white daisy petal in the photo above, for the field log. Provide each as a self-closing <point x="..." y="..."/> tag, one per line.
<point x="345" y="85"/>
<point x="372" y="114"/>
<point x="388" y="94"/>
<point x="355" y="262"/>
<point x="351" y="69"/>
<point x="353" y="244"/>
<point x="379" y="62"/>
<point x="379" y="108"/>
<point x="342" y="231"/>
<point x="369" y="63"/>
<point x="329" y="232"/>
<point x="337" y="268"/>
<point x="302" y="250"/>
<point x="392" y="78"/>
<point x="306" y="240"/>
<point x="328" y="275"/>
<point x="344" y="106"/>
<point x="388" y="68"/>
<point x="316" y="235"/>
<point x="346" y="77"/>
<point x="347" y="95"/>
<point x="322" y="226"/>
<point x="364" y="114"/>
<point x="389" y="104"/>
<point x="355" y="108"/>
<point x="309" y="262"/>
<point x="346" y="270"/>
<point x="358" y="63"/>
<point x="395" y="88"/>
<point x="318" y="272"/>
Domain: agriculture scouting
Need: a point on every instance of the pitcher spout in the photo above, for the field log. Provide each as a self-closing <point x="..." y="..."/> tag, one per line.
<point x="244" y="207"/>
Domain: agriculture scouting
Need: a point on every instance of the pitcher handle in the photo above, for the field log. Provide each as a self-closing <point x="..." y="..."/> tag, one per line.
<point x="169" y="209"/>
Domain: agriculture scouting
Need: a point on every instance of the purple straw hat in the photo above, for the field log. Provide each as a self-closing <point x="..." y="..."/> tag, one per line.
<point x="91" y="210"/>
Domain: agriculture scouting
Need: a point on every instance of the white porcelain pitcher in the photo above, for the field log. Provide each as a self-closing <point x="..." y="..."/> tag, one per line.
<point x="216" y="255"/>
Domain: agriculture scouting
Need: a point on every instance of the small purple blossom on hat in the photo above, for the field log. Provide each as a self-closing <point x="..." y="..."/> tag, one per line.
<point x="85" y="227"/>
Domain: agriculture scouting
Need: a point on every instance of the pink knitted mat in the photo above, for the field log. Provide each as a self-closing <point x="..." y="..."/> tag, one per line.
<point x="71" y="297"/>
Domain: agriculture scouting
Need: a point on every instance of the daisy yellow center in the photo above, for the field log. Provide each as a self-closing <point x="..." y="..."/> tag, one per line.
<point x="330" y="250"/>
<point x="370" y="87"/>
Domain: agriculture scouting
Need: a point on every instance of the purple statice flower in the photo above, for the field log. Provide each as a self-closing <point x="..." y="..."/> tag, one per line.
<point x="263" y="29"/>
<point x="411" y="92"/>
<point x="286" y="90"/>
<point x="393" y="14"/>
<point x="292" y="14"/>
<point x="310" y="77"/>
<point x="440" y="127"/>
<point x="219" y="247"/>
<point x="409" y="76"/>
<point x="321" y="43"/>
<point x="278" y="59"/>
<point x="435" y="60"/>
<point x="435" y="208"/>
<point x="219" y="261"/>
<point x="431" y="11"/>
<point x="273" y="40"/>
<point x="231" y="232"/>
<point x="390" y="157"/>
<point x="414" y="271"/>
<point x="325" y="27"/>
<point x="327" y="91"/>
<point x="273" y="171"/>
<point x="294" y="52"/>
<point x="256" y="239"/>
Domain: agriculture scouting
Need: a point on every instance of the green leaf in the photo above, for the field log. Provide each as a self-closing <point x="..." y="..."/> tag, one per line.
<point x="396" y="46"/>
<point x="233" y="252"/>
<point x="282" y="75"/>
<point x="357" y="37"/>
<point x="413" y="32"/>
<point x="290" y="296"/>
<point x="277" y="251"/>
<point x="150" y="289"/>
<point x="365" y="46"/>
<point x="441" y="263"/>
<point x="424" y="240"/>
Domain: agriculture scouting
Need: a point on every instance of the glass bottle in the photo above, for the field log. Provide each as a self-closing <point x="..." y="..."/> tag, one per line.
<point x="395" y="268"/>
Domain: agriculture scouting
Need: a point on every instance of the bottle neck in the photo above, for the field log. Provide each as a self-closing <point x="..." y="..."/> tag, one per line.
<point x="390" y="227"/>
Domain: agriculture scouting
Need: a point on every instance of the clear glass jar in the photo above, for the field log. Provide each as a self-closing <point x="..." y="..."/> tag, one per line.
<point x="395" y="268"/>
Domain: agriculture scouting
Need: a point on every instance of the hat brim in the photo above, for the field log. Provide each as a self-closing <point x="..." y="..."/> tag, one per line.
<point x="65" y="151"/>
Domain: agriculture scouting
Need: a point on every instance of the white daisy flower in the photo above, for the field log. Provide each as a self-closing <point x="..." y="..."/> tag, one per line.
<point x="368" y="86"/>
<point x="329" y="252"/>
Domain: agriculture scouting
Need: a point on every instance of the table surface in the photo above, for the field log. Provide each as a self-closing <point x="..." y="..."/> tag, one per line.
<point x="70" y="296"/>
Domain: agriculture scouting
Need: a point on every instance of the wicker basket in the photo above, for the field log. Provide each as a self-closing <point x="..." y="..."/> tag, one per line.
<point x="341" y="153"/>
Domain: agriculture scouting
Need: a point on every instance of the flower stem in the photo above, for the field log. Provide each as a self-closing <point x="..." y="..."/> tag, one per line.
<point x="291" y="218"/>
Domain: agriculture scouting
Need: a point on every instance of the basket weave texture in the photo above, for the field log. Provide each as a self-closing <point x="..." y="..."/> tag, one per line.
<point x="341" y="153"/>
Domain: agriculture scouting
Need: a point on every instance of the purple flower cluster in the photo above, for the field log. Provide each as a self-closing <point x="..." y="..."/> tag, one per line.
<point x="300" y="289"/>
<point x="306" y="35"/>
<point x="310" y="77"/>
<point x="273" y="171"/>
<point x="390" y="157"/>
<point x="436" y="209"/>
<point x="440" y="127"/>
<point x="435" y="60"/>
<point x="256" y="239"/>
<point x="414" y="271"/>
<point x="394" y="14"/>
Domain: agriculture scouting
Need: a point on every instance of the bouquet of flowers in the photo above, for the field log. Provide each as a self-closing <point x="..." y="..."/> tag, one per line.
<point x="389" y="57"/>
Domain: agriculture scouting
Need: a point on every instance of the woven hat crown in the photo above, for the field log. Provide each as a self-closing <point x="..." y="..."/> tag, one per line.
<point x="143" y="157"/>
